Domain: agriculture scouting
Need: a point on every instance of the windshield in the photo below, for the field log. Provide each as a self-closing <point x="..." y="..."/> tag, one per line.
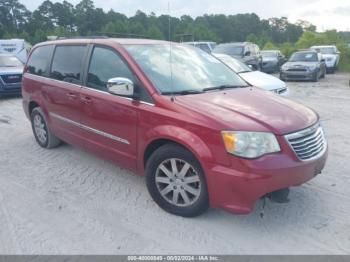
<point x="235" y="64"/>
<point x="268" y="54"/>
<point x="10" y="61"/>
<point x="304" y="57"/>
<point x="229" y="50"/>
<point x="325" y="50"/>
<point x="192" y="69"/>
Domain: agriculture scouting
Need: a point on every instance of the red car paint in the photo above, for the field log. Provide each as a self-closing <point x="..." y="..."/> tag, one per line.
<point x="194" y="121"/>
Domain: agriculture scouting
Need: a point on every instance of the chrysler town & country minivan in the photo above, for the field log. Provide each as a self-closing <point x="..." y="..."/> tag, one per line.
<point x="200" y="134"/>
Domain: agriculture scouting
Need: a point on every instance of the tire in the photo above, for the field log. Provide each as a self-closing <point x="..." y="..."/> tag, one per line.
<point x="164" y="186"/>
<point x="42" y="133"/>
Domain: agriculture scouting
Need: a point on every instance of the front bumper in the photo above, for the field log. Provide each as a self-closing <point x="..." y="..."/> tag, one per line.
<point x="236" y="189"/>
<point x="10" y="89"/>
<point x="295" y="75"/>
<point x="269" y="67"/>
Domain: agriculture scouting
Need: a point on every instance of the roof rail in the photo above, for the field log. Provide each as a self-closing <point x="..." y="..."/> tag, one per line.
<point x="62" y="37"/>
<point x="119" y="35"/>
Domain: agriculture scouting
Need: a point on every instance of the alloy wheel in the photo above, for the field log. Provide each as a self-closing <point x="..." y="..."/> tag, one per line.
<point x="178" y="182"/>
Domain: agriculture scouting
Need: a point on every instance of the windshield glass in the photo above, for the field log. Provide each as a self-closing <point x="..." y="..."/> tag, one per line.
<point x="229" y="50"/>
<point x="304" y="57"/>
<point x="10" y="61"/>
<point x="235" y="64"/>
<point x="192" y="69"/>
<point x="325" y="50"/>
<point x="268" y="54"/>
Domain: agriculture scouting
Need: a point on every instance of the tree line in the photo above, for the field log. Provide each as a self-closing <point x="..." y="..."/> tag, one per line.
<point x="83" y="19"/>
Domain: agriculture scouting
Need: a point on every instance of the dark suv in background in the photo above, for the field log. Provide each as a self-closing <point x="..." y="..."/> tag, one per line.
<point x="272" y="60"/>
<point x="246" y="52"/>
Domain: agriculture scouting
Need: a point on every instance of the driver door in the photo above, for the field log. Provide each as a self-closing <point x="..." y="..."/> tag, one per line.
<point x="109" y="122"/>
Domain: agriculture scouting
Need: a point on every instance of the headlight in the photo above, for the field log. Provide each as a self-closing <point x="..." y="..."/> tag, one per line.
<point x="250" y="144"/>
<point x="329" y="59"/>
<point x="312" y="67"/>
<point x="284" y="68"/>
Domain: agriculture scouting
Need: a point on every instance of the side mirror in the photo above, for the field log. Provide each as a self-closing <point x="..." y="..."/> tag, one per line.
<point x="247" y="53"/>
<point x="120" y="86"/>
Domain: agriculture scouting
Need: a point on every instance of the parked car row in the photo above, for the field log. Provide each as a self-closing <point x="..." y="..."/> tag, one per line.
<point x="200" y="134"/>
<point x="271" y="61"/>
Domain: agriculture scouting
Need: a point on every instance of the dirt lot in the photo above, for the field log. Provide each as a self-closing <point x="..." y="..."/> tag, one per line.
<point x="67" y="201"/>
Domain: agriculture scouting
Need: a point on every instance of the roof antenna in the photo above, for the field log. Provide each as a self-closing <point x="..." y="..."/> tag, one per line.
<point x="170" y="56"/>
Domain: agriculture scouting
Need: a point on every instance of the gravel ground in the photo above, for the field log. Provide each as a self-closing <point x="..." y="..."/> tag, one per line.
<point x="67" y="201"/>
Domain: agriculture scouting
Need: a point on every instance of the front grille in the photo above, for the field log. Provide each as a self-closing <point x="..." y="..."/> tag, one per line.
<point x="309" y="143"/>
<point x="297" y="70"/>
<point x="12" y="79"/>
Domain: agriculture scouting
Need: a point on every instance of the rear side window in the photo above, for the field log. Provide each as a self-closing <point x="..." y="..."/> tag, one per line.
<point x="67" y="63"/>
<point x="39" y="59"/>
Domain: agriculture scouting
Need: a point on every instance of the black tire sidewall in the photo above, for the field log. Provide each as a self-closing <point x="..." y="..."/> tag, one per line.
<point x="175" y="151"/>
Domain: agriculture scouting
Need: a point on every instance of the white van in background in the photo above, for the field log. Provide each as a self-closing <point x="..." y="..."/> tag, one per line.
<point x="16" y="47"/>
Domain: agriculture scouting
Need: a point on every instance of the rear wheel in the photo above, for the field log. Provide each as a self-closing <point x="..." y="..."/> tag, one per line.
<point x="43" y="135"/>
<point x="176" y="181"/>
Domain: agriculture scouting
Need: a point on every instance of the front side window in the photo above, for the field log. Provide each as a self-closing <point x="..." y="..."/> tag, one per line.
<point x="182" y="68"/>
<point x="67" y="63"/>
<point x="104" y="65"/>
<point x="39" y="59"/>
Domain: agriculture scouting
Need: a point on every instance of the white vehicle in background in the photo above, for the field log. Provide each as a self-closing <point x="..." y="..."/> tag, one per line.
<point x="15" y="47"/>
<point x="206" y="46"/>
<point x="254" y="78"/>
<point x="330" y="54"/>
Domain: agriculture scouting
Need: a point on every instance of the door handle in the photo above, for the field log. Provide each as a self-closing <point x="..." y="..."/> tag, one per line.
<point x="86" y="100"/>
<point x="72" y="95"/>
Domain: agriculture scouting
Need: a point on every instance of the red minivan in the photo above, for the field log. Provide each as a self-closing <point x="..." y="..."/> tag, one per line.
<point x="200" y="134"/>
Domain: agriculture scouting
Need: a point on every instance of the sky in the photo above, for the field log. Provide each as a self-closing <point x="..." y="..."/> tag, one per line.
<point x="325" y="14"/>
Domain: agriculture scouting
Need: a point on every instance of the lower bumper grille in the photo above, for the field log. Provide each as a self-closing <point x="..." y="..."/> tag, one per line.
<point x="309" y="143"/>
<point x="11" y="79"/>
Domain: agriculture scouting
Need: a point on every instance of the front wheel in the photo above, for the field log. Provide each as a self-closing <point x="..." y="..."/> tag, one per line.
<point x="176" y="181"/>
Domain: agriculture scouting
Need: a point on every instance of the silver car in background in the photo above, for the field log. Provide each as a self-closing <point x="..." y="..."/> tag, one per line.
<point x="330" y="54"/>
<point x="254" y="78"/>
<point x="305" y="66"/>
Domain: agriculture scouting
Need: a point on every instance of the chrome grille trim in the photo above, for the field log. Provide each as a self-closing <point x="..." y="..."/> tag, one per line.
<point x="308" y="144"/>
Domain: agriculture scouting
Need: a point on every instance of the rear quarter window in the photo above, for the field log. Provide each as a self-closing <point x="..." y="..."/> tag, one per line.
<point x="39" y="60"/>
<point x="67" y="63"/>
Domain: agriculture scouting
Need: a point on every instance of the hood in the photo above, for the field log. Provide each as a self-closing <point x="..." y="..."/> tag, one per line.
<point x="299" y="64"/>
<point x="250" y="109"/>
<point x="11" y="70"/>
<point x="262" y="80"/>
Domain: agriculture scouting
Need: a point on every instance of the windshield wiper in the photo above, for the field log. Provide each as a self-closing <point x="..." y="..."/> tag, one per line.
<point x="184" y="92"/>
<point x="222" y="87"/>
